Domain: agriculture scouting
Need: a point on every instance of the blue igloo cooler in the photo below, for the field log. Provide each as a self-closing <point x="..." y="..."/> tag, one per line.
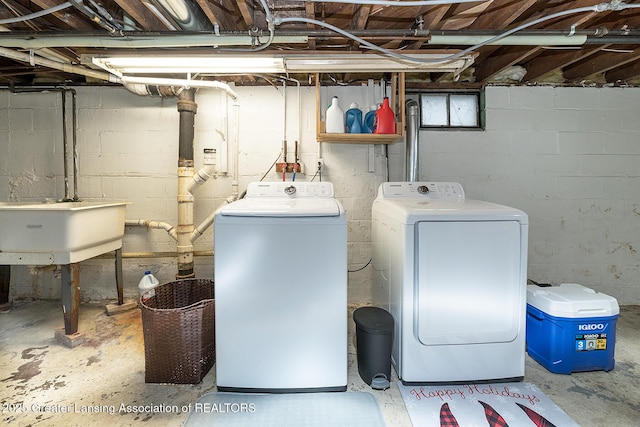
<point x="571" y="328"/>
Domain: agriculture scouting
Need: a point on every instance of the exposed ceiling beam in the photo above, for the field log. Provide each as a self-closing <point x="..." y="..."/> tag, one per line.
<point x="246" y="10"/>
<point x="434" y="15"/>
<point x="310" y="13"/>
<point x="600" y="63"/>
<point x="501" y="61"/>
<point x="546" y="63"/>
<point x="628" y="72"/>
<point x="145" y="19"/>
<point x="502" y="13"/>
<point x="359" y="21"/>
<point x="464" y="14"/>
<point x="66" y="20"/>
<point x="216" y="17"/>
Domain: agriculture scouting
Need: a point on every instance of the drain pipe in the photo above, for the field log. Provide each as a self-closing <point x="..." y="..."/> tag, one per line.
<point x="74" y="145"/>
<point x="412" y="153"/>
<point x="207" y="171"/>
<point x="149" y="223"/>
<point x="235" y="152"/>
<point x="187" y="108"/>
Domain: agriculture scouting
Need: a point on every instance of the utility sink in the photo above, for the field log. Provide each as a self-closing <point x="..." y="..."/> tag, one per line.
<point x="43" y="233"/>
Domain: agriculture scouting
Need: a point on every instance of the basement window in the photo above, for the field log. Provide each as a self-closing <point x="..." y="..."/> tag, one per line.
<point x="450" y="110"/>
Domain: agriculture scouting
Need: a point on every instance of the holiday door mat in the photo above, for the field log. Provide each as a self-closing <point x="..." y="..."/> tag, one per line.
<point x="343" y="409"/>
<point x="482" y="405"/>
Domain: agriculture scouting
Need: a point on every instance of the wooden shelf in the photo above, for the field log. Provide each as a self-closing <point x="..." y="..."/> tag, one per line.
<point x="396" y="101"/>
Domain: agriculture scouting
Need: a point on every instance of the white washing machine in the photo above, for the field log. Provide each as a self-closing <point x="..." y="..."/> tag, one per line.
<point x="281" y="290"/>
<point x="452" y="272"/>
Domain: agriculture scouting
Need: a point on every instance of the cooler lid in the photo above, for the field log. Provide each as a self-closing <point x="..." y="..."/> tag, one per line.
<point x="571" y="300"/>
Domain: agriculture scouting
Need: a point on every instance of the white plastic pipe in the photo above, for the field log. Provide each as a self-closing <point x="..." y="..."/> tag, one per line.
<point x="207" y="171"/>
<point x="207" y="222"/>
<point x="235" y="153"/>
<point x="153" y="224"/>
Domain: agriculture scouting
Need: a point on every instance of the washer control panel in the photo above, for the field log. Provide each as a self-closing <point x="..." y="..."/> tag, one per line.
<point x="427" y="190"/>
<point x="290" y="189"/>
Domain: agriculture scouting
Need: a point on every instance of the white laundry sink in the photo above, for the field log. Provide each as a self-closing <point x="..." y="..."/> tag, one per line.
<point x="42" y="233"/>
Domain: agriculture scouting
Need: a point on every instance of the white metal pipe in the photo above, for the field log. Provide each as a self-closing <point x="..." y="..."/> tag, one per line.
<point x="212" y="84"/>
<point x="140" y="41"/>
<point x="67" y="68"/>
<point x="515" y="40"/>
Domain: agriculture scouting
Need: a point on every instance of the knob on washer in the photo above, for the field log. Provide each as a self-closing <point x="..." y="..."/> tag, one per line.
<point x="423" y="189"/>
<point x="290" y="190"/>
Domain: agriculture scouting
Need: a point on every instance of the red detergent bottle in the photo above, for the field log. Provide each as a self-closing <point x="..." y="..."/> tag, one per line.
<point x="385" y="120"/>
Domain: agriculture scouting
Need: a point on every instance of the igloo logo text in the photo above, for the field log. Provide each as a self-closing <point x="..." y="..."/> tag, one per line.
<point x="591" y="327"/>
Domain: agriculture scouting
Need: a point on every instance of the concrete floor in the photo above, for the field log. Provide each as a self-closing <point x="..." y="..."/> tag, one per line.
<point x="40" y="378"/>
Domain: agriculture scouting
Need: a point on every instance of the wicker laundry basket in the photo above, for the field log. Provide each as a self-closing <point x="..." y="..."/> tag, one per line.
<point x="178" y="327"/>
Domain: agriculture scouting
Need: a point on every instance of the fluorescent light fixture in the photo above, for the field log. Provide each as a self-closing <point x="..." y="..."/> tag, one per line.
<point x="189" y="64"/>
<point x="282" y="63"/>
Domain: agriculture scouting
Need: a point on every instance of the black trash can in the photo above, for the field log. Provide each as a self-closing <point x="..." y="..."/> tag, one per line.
<point x="374" y="338"/>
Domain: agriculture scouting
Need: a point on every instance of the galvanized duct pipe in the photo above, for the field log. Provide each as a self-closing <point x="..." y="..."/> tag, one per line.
<point x="186" y="15"/>
<point x="412" y="152"/>
<point x="187" y="108"/>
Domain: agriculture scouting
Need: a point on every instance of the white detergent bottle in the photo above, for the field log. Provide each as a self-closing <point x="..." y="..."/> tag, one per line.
<point x="335" y="117"/>
<point x="147" y="283"/>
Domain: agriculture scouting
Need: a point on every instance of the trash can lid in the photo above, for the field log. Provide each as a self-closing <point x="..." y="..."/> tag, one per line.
<point x="373" y="319"/>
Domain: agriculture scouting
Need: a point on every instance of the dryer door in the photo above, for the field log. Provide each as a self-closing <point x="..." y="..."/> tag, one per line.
<point x="468" y="284"/>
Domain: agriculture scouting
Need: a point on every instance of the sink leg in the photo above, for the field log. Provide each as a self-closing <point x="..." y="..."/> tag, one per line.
<point x="70" y="297"/>
<point x="119" y="276"/>
<point x="5" y="279"/>
<point x="121" y="306"/>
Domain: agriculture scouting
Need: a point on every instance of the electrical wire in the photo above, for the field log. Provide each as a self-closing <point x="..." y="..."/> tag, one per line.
<point x="272" y="165"/>
<point x="35" y="14"/>
<point x="614" y="5"/>
<point x="318" y="173"/>
<point x="361" y="268"/>
<point x="270" y="26"/>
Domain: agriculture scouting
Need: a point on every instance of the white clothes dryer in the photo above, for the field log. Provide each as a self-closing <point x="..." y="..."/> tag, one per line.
<point x="281" y="290"/>
<point x="452" y="272"/>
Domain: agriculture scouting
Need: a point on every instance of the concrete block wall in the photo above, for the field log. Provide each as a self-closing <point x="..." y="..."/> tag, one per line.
<point x="570" y="158"/>
<point x="566" y="156"/>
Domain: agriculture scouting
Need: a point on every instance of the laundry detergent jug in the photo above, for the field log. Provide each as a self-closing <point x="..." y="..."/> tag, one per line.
<point x="335" y="117"/>
<point x="353" y="119"/>
<point x="385" y="120"/>
<point x="369" y="120"/>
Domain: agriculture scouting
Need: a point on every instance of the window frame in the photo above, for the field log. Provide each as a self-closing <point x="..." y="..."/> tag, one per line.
<point x="480" y="117"/>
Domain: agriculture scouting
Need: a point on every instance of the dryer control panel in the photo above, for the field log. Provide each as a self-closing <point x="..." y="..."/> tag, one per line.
<point x="428" y="190"/>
